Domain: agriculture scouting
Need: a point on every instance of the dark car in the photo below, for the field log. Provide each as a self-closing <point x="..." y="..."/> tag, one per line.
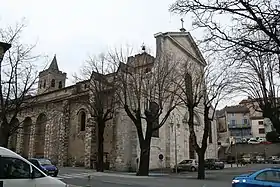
<point x="214" y="164"/>
<point x="264" y="177"/>
<point x="45" y="165"/>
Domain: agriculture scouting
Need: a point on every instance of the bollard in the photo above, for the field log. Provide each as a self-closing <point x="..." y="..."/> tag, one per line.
<point x="88" y="185"/>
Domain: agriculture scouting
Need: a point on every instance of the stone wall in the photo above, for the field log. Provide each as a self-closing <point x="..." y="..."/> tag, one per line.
<point x="270" y="149"/>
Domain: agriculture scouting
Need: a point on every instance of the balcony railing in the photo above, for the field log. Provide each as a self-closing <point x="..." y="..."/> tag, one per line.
<point x="231" y="126"/>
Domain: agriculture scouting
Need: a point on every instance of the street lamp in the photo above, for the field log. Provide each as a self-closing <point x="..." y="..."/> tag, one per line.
<point x="3" y="48"/>
<point x="175" y="136"/>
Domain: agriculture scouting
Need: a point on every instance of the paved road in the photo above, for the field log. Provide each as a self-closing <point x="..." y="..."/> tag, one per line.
<point x="80" y="177"/>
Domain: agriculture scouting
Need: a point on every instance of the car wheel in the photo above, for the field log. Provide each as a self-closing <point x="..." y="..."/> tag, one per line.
<point x="193" y="169"/>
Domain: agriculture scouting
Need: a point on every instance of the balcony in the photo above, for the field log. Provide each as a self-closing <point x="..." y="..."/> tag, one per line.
<point x="239" y="126"/>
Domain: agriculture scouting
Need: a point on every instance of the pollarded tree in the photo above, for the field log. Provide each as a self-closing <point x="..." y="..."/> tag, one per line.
<point x="102" y="76"/>
<point x="202" y="89"/>
<point x="146" y="91"/>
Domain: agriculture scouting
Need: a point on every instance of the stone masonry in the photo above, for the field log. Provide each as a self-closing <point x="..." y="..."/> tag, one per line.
<point x="69" y="131"/>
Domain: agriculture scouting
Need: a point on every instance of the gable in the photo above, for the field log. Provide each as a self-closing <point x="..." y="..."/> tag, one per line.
<point x="186" y="43"/>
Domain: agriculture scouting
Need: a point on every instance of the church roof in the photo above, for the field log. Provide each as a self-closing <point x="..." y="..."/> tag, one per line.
<point x="53" y="65"/>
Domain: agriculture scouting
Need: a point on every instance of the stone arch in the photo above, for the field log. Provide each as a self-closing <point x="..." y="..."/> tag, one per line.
<point x="40" y="128"/>
<point x="13" y="137"/>
<point x="26" y="135"/>
<point x="82" y="118"/>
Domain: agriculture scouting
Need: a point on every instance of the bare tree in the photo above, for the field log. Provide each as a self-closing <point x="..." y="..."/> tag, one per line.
<point x="146" y="92"/>
<point x="258" y="78"/>
<point x="17" y="76"/>
<point x="230" y="22"/>
<point x="203" y="88"/>
<point x="246" y="35"/>
<point x="101" y="75"/>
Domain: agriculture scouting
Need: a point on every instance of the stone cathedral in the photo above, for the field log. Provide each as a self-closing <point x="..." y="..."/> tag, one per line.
<point x="58" y="126"/>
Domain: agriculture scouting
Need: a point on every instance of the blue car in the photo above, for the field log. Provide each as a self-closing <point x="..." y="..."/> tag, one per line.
<point x="269" y="177"/>
<point x="45" y="165"/>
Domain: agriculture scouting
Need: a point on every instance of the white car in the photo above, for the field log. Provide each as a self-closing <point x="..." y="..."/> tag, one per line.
<point x="253" y="141"/>
<point x="17" y="171"/>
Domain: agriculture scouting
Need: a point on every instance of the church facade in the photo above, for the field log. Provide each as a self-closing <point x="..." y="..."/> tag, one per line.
<point x="57" y="125"/>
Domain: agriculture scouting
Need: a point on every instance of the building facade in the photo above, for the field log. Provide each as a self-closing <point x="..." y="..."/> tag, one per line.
<point x="234" y="121"/>
<point x="58" y="125"/>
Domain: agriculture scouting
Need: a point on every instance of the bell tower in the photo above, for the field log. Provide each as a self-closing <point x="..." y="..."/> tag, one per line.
<point x="51" y="79"/>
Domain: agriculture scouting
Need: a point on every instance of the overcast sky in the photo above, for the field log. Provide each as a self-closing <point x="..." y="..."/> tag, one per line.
<point x="74" y="29"/>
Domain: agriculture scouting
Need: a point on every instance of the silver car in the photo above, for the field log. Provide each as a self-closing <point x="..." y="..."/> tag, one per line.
<point x="187" y="165"/>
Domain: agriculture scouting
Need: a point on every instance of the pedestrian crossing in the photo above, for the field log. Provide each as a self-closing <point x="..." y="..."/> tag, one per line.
<point x="74" y="175"/>
<point x="91" y="175"/>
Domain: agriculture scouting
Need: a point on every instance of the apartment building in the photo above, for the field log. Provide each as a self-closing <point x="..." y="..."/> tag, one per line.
<point x="234" y="121"/>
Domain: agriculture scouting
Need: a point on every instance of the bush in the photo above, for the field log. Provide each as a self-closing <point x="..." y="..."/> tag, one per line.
<point x="272" y="136"/>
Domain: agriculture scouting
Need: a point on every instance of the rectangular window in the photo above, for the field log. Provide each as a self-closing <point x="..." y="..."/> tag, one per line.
<point x="260" y="122"/>
<point x="245" y="121"/>
<point x="261" y="131"/>
<point x="232" y="114"/>
<point x="232" y="123"/>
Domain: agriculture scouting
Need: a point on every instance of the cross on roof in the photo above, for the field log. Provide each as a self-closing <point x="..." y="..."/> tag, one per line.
<point x="182" y="29"/>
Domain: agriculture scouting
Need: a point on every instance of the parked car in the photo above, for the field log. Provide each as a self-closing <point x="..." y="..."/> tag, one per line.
<point x="262" y="139"/>
<point x="273" y="160"/>
<point x="18" y="171"/>
<point x="186" y="165"/>
<point x="214" y="164"/>
<point x="260" y="160"/>
<point x="45" y="165"/>
<point x="246" y="159"/>
<point x="253" y="141"/>
<point x="264" y="177"/>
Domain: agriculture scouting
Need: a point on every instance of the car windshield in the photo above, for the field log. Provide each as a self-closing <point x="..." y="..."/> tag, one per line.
<point x="45" y="162"/>
<point x="186" y="162"/>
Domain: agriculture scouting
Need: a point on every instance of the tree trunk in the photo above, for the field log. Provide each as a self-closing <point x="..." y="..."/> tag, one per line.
<point x="144" y="158"/>
<point x="4" y="135"/>
<point x="100" y="152"/>
<point x="271" y="113"/>
<point x="201" y="165"/>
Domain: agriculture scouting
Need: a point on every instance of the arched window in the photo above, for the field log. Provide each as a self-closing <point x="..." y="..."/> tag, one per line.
<point x="60" y="84"/>
<point x="44" y="84"/>
<point x="53" y="83"/>
<point x="40" y="84"/>
<point x="82" y="120"/>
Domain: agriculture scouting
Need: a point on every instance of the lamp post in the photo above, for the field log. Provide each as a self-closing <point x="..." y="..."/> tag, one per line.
<point x="175" y="134"/>
<point x="3" y="48"/>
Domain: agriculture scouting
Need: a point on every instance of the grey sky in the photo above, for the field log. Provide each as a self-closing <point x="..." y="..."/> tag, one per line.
<point x="74" y="29"/>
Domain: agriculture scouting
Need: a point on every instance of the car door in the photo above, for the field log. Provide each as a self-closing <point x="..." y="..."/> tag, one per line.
<point x="182" y="165"/>
<point x="15" y="172"/>
<point x="269" y="178"/>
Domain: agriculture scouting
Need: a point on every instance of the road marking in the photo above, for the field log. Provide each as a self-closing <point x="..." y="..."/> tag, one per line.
<point x="73" y="175"/>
